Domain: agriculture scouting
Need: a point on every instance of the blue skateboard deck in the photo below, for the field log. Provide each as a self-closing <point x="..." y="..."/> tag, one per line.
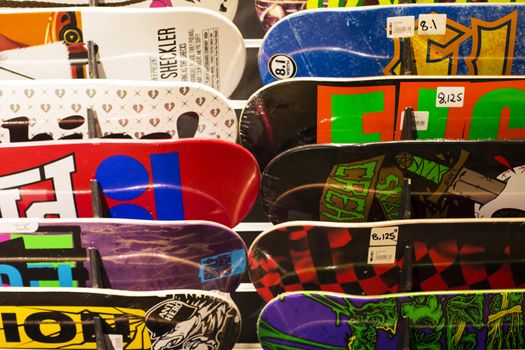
<point x="478" y="39"/>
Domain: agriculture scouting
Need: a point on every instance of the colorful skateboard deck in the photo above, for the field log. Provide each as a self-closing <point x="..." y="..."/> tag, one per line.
<point x="295" y="112"/>
<point x="163" y="180"/>
<point x="478" y="39"/>
<point x="183" y="44"/>
<point x="271" y="11"/>
<point x="368" y="258"/>
<point x="52" y="110"/>
<point x="63" y="318"/>
<point x="158" y="254"/>
<point x="227" y="8"/>
<point x="363" y="182"/>
<point x="489" y="319"/>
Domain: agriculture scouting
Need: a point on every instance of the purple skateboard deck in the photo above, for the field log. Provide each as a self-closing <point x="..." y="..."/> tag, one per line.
<point x="489" y="319"/>
<point x="135" y="254"/>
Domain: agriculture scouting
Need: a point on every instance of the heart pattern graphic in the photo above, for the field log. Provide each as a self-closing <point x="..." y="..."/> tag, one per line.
<point x="169" y="106"/>
<point x="153" y="94"/>
<point x="121" y="108"/>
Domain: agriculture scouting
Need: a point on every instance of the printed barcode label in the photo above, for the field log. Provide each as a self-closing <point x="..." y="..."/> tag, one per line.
<point x="400" y="27"/>
<point x="420" y="121"/>
<point x="450" y="96"/>
<point x="380" y="236"/>
<point x="116" y="341"/>
<point x="382" y="255"/>
<point x="432" y="24"/>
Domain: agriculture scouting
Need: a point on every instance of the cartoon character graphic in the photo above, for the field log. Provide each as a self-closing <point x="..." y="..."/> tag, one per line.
<point x="193" y="324"/>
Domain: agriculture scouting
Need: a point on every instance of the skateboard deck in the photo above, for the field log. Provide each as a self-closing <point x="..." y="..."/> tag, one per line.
<point x="158" y="254"/>
<point x="163" y="180"/>
<point x="364" y="182"/>
<point x="478" y="39"/>
<point x="183" y="44"/>
<point x="368" y="258"/>
<point x="64" y="318"/>
<point x="227" y="8"/>
<point x="271" y="11"/>
<point x="299" y="111"/>
<point x="488" y="319"/>
<point x="53" y="110"/>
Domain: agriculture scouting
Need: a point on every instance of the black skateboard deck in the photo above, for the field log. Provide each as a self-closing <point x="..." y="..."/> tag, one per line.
<point x="370" y="258"/>
<point x="364" y="182"/>
<point x="302" y="111"/>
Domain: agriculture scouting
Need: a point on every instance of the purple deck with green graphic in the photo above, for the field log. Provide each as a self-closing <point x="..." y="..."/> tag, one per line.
<point x="440" y="320"/>
<point x="135" y="254"/>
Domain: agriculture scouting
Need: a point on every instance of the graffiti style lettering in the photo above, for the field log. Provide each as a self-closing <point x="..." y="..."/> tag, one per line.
<point x="347" y="195"/>
<point x="425" y="168"/>
<point x="59" y="172"/>
<point x="491" y="54"/>
<point x="389" y="191"/>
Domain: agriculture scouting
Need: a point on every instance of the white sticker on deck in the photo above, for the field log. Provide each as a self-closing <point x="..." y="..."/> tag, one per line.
<point x="400" y="27"/>
<point x="383" y="236"/>
<point x="116" y="341"/>
<point x="450" y="96"/>
<point x="382" y="255"/>
<point x="420" y="120"/>
<point x="432" y="24"/>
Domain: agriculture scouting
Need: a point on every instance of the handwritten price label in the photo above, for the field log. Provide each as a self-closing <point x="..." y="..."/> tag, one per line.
<point x="380" y="236"/>
<point x="450" y="96"/>
<point x="432" y="24"/>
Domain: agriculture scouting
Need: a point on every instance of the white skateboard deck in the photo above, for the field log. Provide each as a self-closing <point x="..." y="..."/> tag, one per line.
<point x="57" y="109"/>
<point x="227" y="8"/>
<point x="181" y="44"/>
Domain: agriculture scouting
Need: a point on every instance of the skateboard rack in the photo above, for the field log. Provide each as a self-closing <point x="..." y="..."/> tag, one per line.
<point x="408" y="131"/>
<point x="96" y="199"/>
<point x="92" y="124"/>
<point x="101" y="339"/>
<point x="405" y="205"/>
<point x="404" y="343"/>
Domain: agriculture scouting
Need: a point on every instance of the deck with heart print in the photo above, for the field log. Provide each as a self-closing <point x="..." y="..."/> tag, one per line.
<point x="158" y="254"/>
<point x="181" y="44"/>
<point x="64" y="318"/>
<point x="57" y="110"/>
<point x="162" y="180"/>
<point x="467" y="39"/>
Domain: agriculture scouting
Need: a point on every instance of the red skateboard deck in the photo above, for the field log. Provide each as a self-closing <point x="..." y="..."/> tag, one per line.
<point x="166" y="180"/>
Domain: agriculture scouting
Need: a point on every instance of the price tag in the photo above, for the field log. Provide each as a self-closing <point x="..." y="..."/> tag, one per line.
<point x="420" y="119"/>
<point x="382" y="255"/>
<point x="400" y="27"/>
<point x="450" y="96"/>
<point x="380" y="236"/>
<point x="116" y="341"/>
<point x="432" y="24"/>
<point x="26" y="226"/>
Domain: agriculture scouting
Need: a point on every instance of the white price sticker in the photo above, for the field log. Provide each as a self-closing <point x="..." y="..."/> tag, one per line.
<point x="450" y="96"/>
<point x="26" y="226"/>
<point x="432" y="24"/>
<point x="382" y="255"/>
<point x="380" y="236"/>
<point x="116" y="341"/>
<point x="420" y="120"/>
<point x="400" y="27"/>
